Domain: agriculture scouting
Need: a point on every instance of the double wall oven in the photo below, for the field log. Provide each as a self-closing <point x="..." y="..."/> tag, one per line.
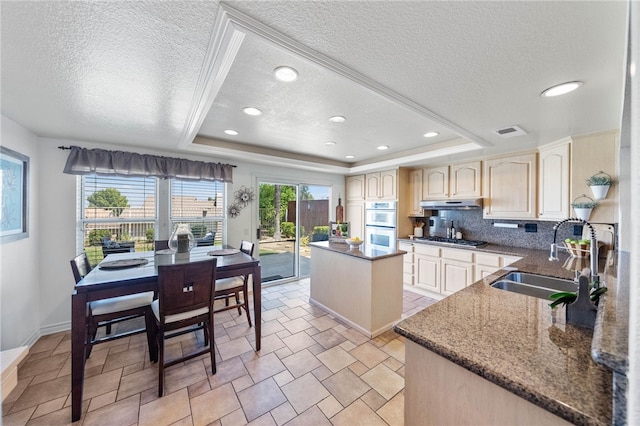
<point x="380" y="224"/>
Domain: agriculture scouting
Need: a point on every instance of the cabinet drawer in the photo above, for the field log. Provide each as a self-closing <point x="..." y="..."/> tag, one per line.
<point x="508" y="260"/>
<point x="461" y="255"/>
<point x="488" y="259"/>
<point x="408" y="247"/>
<point x="427" y="249"/>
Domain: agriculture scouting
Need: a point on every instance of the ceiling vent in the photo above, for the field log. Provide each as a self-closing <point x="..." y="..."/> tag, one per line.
<point x="509" y="132"/>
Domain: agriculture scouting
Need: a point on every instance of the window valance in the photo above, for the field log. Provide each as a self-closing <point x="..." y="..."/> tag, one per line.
<point x="82" y="161"/>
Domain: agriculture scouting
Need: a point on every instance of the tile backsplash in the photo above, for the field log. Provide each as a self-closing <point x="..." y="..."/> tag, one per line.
<point x="474" y="227"/>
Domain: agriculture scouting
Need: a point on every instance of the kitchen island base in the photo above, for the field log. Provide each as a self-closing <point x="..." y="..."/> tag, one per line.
<point x="364" y="292"/>
<point x="439" y="392"/>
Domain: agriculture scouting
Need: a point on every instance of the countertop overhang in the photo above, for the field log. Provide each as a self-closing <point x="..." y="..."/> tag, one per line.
<point x="364" y="252"/>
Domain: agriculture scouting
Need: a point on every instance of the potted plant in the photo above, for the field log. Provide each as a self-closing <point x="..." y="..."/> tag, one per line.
<point x="600" y="184"/>
<point x="583" y="208"/>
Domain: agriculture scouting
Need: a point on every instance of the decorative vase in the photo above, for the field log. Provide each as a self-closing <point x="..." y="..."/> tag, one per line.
<point x="582" y="213"/>
<point x="182" y="240"/>
<point x="600" y="191"/>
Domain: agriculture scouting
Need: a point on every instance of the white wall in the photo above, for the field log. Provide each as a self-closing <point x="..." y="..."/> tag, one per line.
<point x="19" y="260"/>
<point x="44" y="306"/>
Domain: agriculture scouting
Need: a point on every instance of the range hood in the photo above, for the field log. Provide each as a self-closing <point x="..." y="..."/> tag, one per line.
<point x="452" y="204"/>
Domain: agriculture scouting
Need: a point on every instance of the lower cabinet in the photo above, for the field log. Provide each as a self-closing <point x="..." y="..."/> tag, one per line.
<point x="443" y="271"/>
<point x="456" y="270"/>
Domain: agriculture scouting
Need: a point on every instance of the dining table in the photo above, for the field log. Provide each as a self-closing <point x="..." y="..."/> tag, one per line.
<point x="136" y="272"/>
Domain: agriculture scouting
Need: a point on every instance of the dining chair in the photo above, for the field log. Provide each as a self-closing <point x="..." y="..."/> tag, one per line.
<point x="227" y="287"/>
<point x="160" y="245"/>
<point x="106" y="312"/>
<point x="185" y="296"/>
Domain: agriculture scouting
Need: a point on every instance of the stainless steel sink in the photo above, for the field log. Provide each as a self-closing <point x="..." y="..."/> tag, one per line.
<point x="534" y="285"/>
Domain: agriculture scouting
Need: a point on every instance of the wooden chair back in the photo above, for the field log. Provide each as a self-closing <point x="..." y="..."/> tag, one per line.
<point x="185" y="287"/>
<point x="80" y="266"/>
<point x="247" y="247"/>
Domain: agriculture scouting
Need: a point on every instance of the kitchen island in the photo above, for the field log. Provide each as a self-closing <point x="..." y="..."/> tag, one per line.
<point x="489" y="356"/>
<point x="363" y="287"/>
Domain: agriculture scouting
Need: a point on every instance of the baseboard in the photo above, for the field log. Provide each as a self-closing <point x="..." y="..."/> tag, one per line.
<point x="368" y="333"/>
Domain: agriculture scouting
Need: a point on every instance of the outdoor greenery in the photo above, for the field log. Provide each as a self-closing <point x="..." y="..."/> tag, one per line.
<point x="150" y="234"/>
<point x="279" y="195"/>
<point x="109" y="199"/>
<point x="198" y="230"/>
<point x="96" y="235"/>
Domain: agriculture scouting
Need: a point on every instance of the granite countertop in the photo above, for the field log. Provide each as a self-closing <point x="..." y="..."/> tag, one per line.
<point x="519" y="342"/>
<point x="363" y="252"/>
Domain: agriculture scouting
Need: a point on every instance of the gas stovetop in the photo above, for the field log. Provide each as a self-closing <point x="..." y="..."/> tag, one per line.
<point x="470" y="243"/>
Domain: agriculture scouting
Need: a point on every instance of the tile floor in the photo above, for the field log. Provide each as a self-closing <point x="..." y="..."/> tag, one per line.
<point x="312" y="370"/>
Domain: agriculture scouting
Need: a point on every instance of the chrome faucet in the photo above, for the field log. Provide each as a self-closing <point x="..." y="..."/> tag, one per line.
<point x="593" y="252"/>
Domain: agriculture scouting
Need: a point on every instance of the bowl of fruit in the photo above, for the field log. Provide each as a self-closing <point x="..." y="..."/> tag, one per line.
<point x="578" y="248"/>
<point x="354" y="243"/>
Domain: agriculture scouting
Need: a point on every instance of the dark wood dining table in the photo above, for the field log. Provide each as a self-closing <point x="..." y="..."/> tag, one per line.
<point x="102" y="283"/>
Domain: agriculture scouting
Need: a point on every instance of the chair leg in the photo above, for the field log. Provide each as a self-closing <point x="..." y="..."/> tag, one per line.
<point x="212" y="349"/>
<point x="151" y="338"/>
<point x="238" y="302"/>
<point x="160" y="341"/>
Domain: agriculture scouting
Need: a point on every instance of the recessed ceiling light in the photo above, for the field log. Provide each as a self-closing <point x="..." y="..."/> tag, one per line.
<point x="561" y="89"/>
<point x="383" y="147"/>
<point x="231" y="132"/>
<point x="252" y="111"/>
<point x="349" y="156"/>
<point x="286" y="74"/>
<point x="330" y="143"/>
<point x="431" y="134"/>
<point x="337" y="119"/>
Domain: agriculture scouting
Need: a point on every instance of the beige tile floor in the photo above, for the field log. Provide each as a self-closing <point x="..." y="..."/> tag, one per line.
<point x="312" y="370"/>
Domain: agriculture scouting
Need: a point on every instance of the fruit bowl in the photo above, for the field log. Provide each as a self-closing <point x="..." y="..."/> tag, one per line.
<point x="578" y="249"/>
<point x="354" y="243"/>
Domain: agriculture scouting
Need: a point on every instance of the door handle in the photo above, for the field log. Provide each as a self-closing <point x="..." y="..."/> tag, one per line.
<point x="258" y="234"/>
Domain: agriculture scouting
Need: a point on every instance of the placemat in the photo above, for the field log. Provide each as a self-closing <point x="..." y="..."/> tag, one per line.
<point x="124" y="263"/>
<point x="223" y="252"/>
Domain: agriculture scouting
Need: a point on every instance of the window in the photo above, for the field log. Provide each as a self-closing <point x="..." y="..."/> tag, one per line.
<point x="201" y="205"/>
<point x="116" y="214"/>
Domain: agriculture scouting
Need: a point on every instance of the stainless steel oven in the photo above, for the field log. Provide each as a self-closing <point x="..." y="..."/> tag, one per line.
<point x="380" y="213"/>
<point x="380" y="224"/>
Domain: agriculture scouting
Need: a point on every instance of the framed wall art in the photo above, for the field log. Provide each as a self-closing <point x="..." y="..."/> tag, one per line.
<point x="14" y="185"/>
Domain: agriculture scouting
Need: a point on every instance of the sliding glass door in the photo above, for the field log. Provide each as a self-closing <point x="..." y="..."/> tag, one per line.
<point x="290" y="216"/>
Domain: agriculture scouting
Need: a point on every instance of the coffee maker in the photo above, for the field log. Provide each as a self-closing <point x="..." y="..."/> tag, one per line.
<point x="433" y="225"/>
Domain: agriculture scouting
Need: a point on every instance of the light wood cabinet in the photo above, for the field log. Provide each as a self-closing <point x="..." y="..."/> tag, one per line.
<point x="427" y="267"/>
<point x="355" y="188"/>
<point x="510" y="187"/>
<point x="465" y="180"/>
<point x="415" y="192"/>
<point x="355" y="217"/>
<point x="435" y="183"/>
<point x="553" y="181"/>
<point x="381" y="185"/>
<point x="407" y="263"/>
<point x="488" y="263"/>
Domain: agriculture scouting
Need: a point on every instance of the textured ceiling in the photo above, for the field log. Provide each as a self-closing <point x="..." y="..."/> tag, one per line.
<point x="159" y="73"/>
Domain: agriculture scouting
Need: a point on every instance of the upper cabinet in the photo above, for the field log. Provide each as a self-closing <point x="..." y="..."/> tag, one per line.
<point x="510" y="187"/>
<point x="355" y="188"/>
<point x="455" y="181"/>
<point x="435" y="183"/>
<point x="465" y="180"/>
<point x="553" y="180"/>
<point x="381" y="185"/>
<point x="415" y="192"/>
